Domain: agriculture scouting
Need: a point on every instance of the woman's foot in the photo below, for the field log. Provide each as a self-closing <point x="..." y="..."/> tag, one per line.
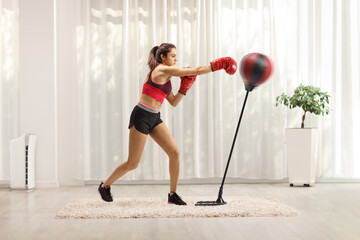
<point x="105" y="193"/>
<point x="175" y="199"/>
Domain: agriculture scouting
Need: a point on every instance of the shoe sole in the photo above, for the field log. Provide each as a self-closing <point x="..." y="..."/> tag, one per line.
<point x="102" y="197"/>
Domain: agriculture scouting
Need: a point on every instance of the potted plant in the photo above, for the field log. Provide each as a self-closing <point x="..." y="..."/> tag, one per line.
<point x="301" y="143"/>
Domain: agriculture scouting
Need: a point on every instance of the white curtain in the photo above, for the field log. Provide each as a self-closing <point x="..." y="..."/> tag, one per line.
<point x="9" y="46"/>
<point x="310" y="42"/>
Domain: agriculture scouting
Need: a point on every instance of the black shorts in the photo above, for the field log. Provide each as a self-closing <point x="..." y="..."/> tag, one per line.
<point x="144" y="119"/>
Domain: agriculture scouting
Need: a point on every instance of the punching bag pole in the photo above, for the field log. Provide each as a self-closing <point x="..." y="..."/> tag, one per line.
<point x="232" y="148"/>
<point x="220" y="200"/>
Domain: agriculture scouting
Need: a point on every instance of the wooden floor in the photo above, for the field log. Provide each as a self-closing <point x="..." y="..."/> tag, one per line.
<point x="327" y="211"/>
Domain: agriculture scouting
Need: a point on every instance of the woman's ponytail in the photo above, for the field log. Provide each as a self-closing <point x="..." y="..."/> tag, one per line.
<point x="152" y="58"/>
<point x="156" y="52"/>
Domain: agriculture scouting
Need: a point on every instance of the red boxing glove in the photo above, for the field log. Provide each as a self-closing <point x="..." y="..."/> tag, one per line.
<point x="226" y="63"/>
<point x="186" y="83"/>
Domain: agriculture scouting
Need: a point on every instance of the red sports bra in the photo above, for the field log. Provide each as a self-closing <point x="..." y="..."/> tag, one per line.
<point x="157" y="91"/>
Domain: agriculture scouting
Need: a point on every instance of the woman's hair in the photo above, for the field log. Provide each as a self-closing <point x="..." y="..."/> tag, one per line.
<point x="155" y="54"/>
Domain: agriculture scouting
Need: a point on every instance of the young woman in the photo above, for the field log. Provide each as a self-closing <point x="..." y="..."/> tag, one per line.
<point x="145" y="117"/>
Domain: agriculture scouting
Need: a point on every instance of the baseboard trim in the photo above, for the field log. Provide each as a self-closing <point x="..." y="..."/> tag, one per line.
<point x="38" y="184"/>
<point x="338" y="180"/>
<point x="71" y="182"/>
<point x="46" y="184"/>
<point x="5" y="182"/>
<point x="219" y="180"/>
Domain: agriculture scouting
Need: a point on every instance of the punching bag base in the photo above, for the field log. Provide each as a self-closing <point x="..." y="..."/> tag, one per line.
<point x="211" y="203"/>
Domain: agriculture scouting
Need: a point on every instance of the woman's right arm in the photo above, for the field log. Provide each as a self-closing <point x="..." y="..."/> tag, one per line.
<point x="226" y="63"/>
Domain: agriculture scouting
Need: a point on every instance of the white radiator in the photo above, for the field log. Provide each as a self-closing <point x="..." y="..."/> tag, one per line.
<point x="22" y="162"/>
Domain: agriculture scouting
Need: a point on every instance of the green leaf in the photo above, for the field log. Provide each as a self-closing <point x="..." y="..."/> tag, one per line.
<point x="308" y="98"/>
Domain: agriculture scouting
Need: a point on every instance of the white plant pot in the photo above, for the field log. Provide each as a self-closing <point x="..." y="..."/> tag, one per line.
<point x="301" y="154"/>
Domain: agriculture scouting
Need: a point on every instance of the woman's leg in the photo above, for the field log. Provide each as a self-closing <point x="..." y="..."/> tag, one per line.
<point x="163" y="137"/>
<point x="136" y="147"/>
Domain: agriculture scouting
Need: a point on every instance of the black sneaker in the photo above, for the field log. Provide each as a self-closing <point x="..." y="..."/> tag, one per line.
<point x="105" y="193"/>
<point x="175" y="199"/>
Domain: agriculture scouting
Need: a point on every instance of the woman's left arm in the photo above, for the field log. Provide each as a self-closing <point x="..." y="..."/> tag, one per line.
<point x="174" y="99"/>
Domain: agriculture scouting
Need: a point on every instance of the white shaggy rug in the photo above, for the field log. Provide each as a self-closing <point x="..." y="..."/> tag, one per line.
<point x="158" y="208"/>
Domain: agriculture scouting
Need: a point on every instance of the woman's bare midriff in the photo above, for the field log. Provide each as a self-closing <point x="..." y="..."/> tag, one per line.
<point x="149" y="101"/>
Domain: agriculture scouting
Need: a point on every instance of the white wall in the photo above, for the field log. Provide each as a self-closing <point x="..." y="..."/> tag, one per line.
<point x="67" y="95"/>
<point x="37" y="96"/>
